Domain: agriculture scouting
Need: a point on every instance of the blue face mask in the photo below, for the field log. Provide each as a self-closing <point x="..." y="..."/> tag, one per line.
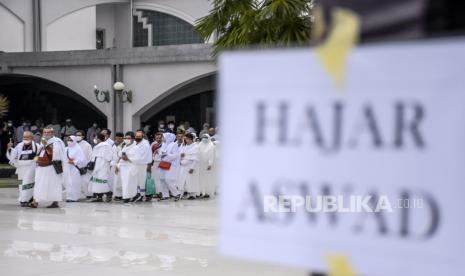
<point x="205" y="140"/>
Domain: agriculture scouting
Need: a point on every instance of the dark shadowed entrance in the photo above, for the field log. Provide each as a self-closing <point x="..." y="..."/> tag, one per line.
<point x="32" y="98"/>
<point x="192" y="101"/>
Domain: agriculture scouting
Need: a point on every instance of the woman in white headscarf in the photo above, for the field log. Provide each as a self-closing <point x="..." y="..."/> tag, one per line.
<point x="206" y="163"/>
<point x="168" y="176"/>
<point x="188" y="175"/>
<point x="76" y="160"/>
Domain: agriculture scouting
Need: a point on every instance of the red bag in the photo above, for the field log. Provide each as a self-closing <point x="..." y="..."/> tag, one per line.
<point x="164" y="165"/>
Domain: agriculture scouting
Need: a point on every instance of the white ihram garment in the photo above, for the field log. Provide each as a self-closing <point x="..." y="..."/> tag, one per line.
<point x="48" y="184"/>
<point x="117" y="186"/>
<point x="87" y="150"/>
<point x="146" y="154"/>
<point x="155" y="169"/>
<point x="25" y="168"/>
<point x="207" y="177"/>
<point x="74" y="153"/>
<point x="129" y="170"/>
<point x="99" y="182"/>
<point x="189" y="182"/>
<point x="170" y="153"/>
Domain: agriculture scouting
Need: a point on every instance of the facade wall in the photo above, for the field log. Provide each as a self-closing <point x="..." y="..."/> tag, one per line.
<point x="16" y="29"/>
<point x="122" y="26"/>
<point x="12" y="29"/>
<point x="71" y="24"/>
<point x="106" y="20"/>
<point x="149" y="82"/>
<point x="75" y="31"/>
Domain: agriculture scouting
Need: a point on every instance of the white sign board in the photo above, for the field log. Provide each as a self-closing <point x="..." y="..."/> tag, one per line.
<point x="394" y="130"/>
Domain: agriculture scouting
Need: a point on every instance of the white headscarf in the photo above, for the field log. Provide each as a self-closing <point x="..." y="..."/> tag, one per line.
<point x="75" y="152"/>
<point x="169" y="137"/>
<point x="204" y="148"/>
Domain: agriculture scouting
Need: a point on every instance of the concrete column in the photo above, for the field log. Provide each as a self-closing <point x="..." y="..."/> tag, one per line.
<point x="118" y="107"/>
<point x="36" y="24"/>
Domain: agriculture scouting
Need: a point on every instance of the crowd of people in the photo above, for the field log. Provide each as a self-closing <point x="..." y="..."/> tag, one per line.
<point x="66" y="164"/>
<point x="13" y="133"/>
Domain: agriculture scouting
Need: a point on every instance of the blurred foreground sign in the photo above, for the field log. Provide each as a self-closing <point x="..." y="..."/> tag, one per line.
<point x="372" y="169"/>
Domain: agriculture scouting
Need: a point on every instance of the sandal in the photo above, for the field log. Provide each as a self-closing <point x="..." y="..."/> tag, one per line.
<point x="33" y="205"/>
<point x="54" y="205"/>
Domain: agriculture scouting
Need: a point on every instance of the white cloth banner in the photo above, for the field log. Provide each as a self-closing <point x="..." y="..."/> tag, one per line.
<point x="394" y="130"/>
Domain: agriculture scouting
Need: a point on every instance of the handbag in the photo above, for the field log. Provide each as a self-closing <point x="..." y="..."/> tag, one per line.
<point x="164" y="165"/>
<point x="91" y="164"/>
<point x="82" y="171"/>
<point x="149" y="185"/>
<point x="58" y="166"/>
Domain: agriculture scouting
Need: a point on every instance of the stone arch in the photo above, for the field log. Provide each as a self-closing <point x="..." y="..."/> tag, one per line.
<point x="11" y="83"/>
<point x="191" y="87"/>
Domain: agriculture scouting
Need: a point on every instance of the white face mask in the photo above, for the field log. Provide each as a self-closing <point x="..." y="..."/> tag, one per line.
<point x="171" y="126"/>
<point x="162" y="126"/>
<point x="27" y="142"/>
<point x="127" y="141"/>
<point x="78" y="138"/>
<point x="95" y="141"/>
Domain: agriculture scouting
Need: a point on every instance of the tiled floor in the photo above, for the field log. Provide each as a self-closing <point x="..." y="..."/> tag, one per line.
<point x="116" y="239"/>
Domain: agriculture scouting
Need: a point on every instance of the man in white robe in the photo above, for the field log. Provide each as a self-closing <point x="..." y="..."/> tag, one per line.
<point x="76" y="160"/>
<point x="107" y="133"/>
<point x="188" y="177"/>
<point x="128" y="166"/>
<point x="168" y="177"/>
<point x="22" y="157"/>
<point x="156" y="155"/>
<point x="145" y="166"/>
<point x="117" y="150"/>
<point x="49" y="178"/>
<point x="102" y="155"/>
<point x="206" y="158"/>
<point x="87" y="150"/>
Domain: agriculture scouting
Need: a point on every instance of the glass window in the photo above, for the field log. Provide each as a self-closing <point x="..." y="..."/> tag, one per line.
<point x="166" y="30"/>
<point x="100" y="39"/>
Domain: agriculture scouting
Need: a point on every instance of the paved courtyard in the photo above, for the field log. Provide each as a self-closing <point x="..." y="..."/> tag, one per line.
<point x="168" y="238"/>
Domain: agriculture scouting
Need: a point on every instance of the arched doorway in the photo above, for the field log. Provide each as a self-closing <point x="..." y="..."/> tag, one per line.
<point x="193" y="101"/>
<point x="32" y="98"/>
